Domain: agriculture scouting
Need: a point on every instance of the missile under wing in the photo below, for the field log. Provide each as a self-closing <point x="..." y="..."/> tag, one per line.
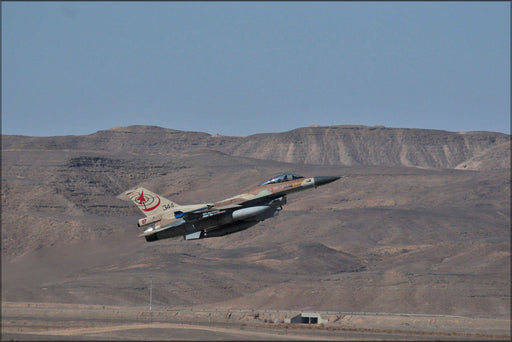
<point x="167" y="219"/>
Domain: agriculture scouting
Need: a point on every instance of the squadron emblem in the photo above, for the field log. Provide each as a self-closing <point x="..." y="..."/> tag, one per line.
<point x="148" y="202"/>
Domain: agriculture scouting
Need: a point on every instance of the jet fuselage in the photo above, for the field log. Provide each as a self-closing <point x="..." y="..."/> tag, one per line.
<point x="166" y="219"/>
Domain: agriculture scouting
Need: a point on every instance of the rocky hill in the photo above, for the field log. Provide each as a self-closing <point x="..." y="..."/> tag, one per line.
<point x="433" y="238"/>
<point x="333" y="145"/>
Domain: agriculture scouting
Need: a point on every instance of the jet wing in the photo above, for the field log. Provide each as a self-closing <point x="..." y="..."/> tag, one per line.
<point x="258" y="200"/>
<point x="249" y="200"/>
<point x="229" y="206"/>
<point x="194" y="212"/>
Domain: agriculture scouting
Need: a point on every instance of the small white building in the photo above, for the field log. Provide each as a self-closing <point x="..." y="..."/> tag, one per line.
<point x="307" y="318"/>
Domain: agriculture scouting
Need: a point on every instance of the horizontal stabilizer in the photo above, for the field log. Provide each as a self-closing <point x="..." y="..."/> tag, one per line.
<point x="157" y="229"/>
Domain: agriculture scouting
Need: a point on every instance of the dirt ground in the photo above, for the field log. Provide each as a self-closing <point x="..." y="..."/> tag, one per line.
<point x="47" y="321"/>
<point x="419" y="250"/>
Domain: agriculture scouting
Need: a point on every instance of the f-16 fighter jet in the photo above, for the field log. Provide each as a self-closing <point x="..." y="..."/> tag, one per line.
<point x="166" y="219"/>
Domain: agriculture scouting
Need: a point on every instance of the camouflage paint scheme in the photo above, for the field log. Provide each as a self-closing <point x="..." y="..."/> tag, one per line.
<point x="167" y="219"/>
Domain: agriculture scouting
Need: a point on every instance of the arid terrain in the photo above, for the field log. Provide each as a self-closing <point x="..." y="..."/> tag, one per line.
<point x="418" y="225"/>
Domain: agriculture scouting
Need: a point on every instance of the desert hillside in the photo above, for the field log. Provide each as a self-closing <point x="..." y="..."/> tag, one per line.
<point x="419" y="223"/>
<point x="333" y="145"/>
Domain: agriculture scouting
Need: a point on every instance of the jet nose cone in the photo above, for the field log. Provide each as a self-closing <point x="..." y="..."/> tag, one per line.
<point x="325" y="179"/>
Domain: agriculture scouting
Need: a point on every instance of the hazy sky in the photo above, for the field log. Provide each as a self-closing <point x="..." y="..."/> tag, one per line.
<point x="252" y="67"/>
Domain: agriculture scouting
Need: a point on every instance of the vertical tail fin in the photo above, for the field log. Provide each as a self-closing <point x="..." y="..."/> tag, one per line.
<point x="148" y="202"/>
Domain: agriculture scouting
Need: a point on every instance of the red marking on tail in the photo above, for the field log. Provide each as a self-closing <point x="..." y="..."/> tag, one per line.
<point x="141" y="198"/>
<point x="154" y="207"/>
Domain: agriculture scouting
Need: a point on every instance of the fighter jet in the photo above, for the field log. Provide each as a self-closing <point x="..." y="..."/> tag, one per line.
<point x="166" y="219"/>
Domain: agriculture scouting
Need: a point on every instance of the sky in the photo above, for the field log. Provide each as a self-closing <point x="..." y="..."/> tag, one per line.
<point x="241" y="68"/>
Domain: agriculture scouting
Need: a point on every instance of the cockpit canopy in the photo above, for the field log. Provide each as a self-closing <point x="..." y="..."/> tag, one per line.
<point x="285" y="177"/>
